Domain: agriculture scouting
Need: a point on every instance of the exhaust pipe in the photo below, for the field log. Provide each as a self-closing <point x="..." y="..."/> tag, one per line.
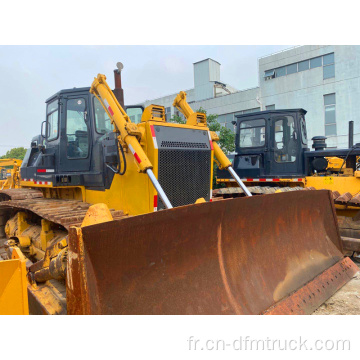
<point x="351" y="134"/>
<point x="118" y="91"/>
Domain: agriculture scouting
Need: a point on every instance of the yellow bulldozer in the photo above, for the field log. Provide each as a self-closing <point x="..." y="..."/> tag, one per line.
<point x="9" y="173"/>
<point x="114" y="216"/>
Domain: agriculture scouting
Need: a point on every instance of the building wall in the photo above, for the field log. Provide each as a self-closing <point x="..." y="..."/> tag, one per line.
<point x="206" y="72"/>
<point x="307" y="88"/>
<point x="300" y="89"/>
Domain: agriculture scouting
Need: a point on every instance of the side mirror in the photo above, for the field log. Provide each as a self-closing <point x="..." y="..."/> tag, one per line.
<point x="33" y="144"/>
<point x="43" y="130"/>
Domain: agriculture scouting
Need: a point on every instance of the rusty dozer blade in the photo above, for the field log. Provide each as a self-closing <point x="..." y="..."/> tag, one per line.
<point x="277" y="253"/>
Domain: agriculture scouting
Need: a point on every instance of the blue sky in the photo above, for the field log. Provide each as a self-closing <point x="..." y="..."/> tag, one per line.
<point x="31" y="74"/>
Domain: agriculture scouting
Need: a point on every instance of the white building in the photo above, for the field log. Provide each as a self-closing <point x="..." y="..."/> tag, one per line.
<point x="322" y="79"/>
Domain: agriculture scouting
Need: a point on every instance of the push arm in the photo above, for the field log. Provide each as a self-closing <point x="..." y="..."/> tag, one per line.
<point x="181" y="104"/>
<point x="129" y="132"/>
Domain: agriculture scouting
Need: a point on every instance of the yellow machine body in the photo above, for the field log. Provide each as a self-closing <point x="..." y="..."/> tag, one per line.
<point x="133" y="192"/>
<point x="124" y="256"/>
<point x="13" y="288"/>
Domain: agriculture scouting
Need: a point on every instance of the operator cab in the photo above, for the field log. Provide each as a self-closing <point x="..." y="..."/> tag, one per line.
<point x="3" y="174"/>
<point x="77" y="145"/>
<point x="270" y="142"/>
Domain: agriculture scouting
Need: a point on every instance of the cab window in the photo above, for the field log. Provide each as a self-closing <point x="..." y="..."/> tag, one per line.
<point x="303" y="130"/>
<point x="76" y="129"/>
<point x="102" y="120"/>
<point x="135" y="114"/>
<point x="252" y="133"/>
<point x="285" y="140"/>
<point x="52" y="118"/>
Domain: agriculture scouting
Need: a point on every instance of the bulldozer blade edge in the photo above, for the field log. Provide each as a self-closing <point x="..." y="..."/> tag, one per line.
<point x="256" y="255"/>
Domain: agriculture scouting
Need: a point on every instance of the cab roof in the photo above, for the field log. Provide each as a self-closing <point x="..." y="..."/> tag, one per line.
<point x="68" y="91"/>
<point x="265" y="112"/>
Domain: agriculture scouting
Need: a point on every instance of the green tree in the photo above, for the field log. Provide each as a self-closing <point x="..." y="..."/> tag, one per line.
<point x="227" y="140"/>
<point x="15" y="153"/>
<point x="226" y="136"/>
<point x="177" y="119"/>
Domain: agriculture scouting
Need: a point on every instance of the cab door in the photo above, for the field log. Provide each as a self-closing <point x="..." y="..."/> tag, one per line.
<point x="285" y="145"/>
<point x="75" y="149"/>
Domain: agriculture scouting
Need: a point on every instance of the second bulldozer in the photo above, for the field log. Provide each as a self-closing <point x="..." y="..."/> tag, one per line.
<point x="9" y="173"/>
<point x="114" y="216"/>
<point x="272" y="155"/>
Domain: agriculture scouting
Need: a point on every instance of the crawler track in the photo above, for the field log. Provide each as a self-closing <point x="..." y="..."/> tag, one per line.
<point x="63" y="212"/>
<point x="345" y="199"/>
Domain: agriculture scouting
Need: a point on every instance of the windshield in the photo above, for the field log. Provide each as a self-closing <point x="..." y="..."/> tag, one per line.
<point x="252" y="133"/>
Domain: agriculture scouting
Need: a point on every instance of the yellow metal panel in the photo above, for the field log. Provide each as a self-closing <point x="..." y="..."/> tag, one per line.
<point x="328" y="180"/>
<point x="133" y="192"/>
<point x="97" y="214"/>
<point x="342" y="184"/>
<point x="13" y="288"/>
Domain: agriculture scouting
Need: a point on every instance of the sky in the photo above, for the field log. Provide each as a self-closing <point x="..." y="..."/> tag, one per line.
<point x="31" y="74"/>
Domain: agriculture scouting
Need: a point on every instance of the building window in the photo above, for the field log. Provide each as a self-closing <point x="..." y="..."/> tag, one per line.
<point x="329" y="66"/>
<point x="330" y="115"/>
<point x="251" y="110"/>
<point x="316" y="62"/>
<point x="230" y="126"/>
<point x="269" y="74"/>
<point x="280" y="71"/>
<point x="226" y="121"/>
<point x="303" y="65"/>
<point x="167" y="113"/>
<point x="327" y="61"/>
<point x="291" y="69"/>
<point x="270" y="107"/>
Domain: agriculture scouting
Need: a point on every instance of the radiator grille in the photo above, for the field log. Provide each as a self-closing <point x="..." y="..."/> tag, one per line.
<point x="184" y="175"/>
<point x="184" y="144"/>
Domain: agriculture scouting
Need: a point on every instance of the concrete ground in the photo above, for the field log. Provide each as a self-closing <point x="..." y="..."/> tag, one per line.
<point x="345" y="302"/>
